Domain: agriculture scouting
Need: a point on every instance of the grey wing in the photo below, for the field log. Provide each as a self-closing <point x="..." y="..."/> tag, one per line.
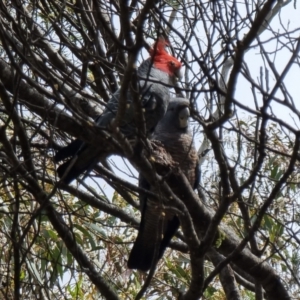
<point x="83" y="156"/>
<point x="155" y="99"/>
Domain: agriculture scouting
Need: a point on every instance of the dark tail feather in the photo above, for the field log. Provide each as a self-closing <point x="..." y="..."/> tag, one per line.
<point x="144" y="248"/>
<point x="68" y="151"/>
<point x="148" y="239"/>
<point x="80" y="164"/>
<point x="141" y="255"/>
<point x="170" y="231"/>
<point x="72" y="174"/>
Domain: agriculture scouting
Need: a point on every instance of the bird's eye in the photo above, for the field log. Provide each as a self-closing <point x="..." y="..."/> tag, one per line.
<point x="172" y="63"/>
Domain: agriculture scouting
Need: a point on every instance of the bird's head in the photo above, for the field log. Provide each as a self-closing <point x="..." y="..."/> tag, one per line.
<point x="176" y="118"/>
<point x="164" y="61"/>
<point x="179" y="111"/>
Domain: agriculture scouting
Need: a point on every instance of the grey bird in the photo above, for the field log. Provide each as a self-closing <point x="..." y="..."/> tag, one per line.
<point x="155" y="74"/>
<point x="156" y="229"/>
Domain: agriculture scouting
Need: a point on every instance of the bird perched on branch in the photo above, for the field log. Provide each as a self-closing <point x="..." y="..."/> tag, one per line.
<point x="158" y="226"/>
<point x="155" y="76"/>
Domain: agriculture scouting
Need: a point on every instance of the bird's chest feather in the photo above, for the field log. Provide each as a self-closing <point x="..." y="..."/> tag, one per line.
<point x="183" y="152"/>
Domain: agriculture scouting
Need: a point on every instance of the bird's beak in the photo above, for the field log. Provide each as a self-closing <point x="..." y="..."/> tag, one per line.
<point x="179" y="74"/>
<point x="184" y="115"/>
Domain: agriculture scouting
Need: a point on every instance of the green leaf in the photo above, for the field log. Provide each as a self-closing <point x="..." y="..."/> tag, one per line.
<point x="87" y="235"/>
<point x="98" y="229"/>
<point x="33" y="270"/>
